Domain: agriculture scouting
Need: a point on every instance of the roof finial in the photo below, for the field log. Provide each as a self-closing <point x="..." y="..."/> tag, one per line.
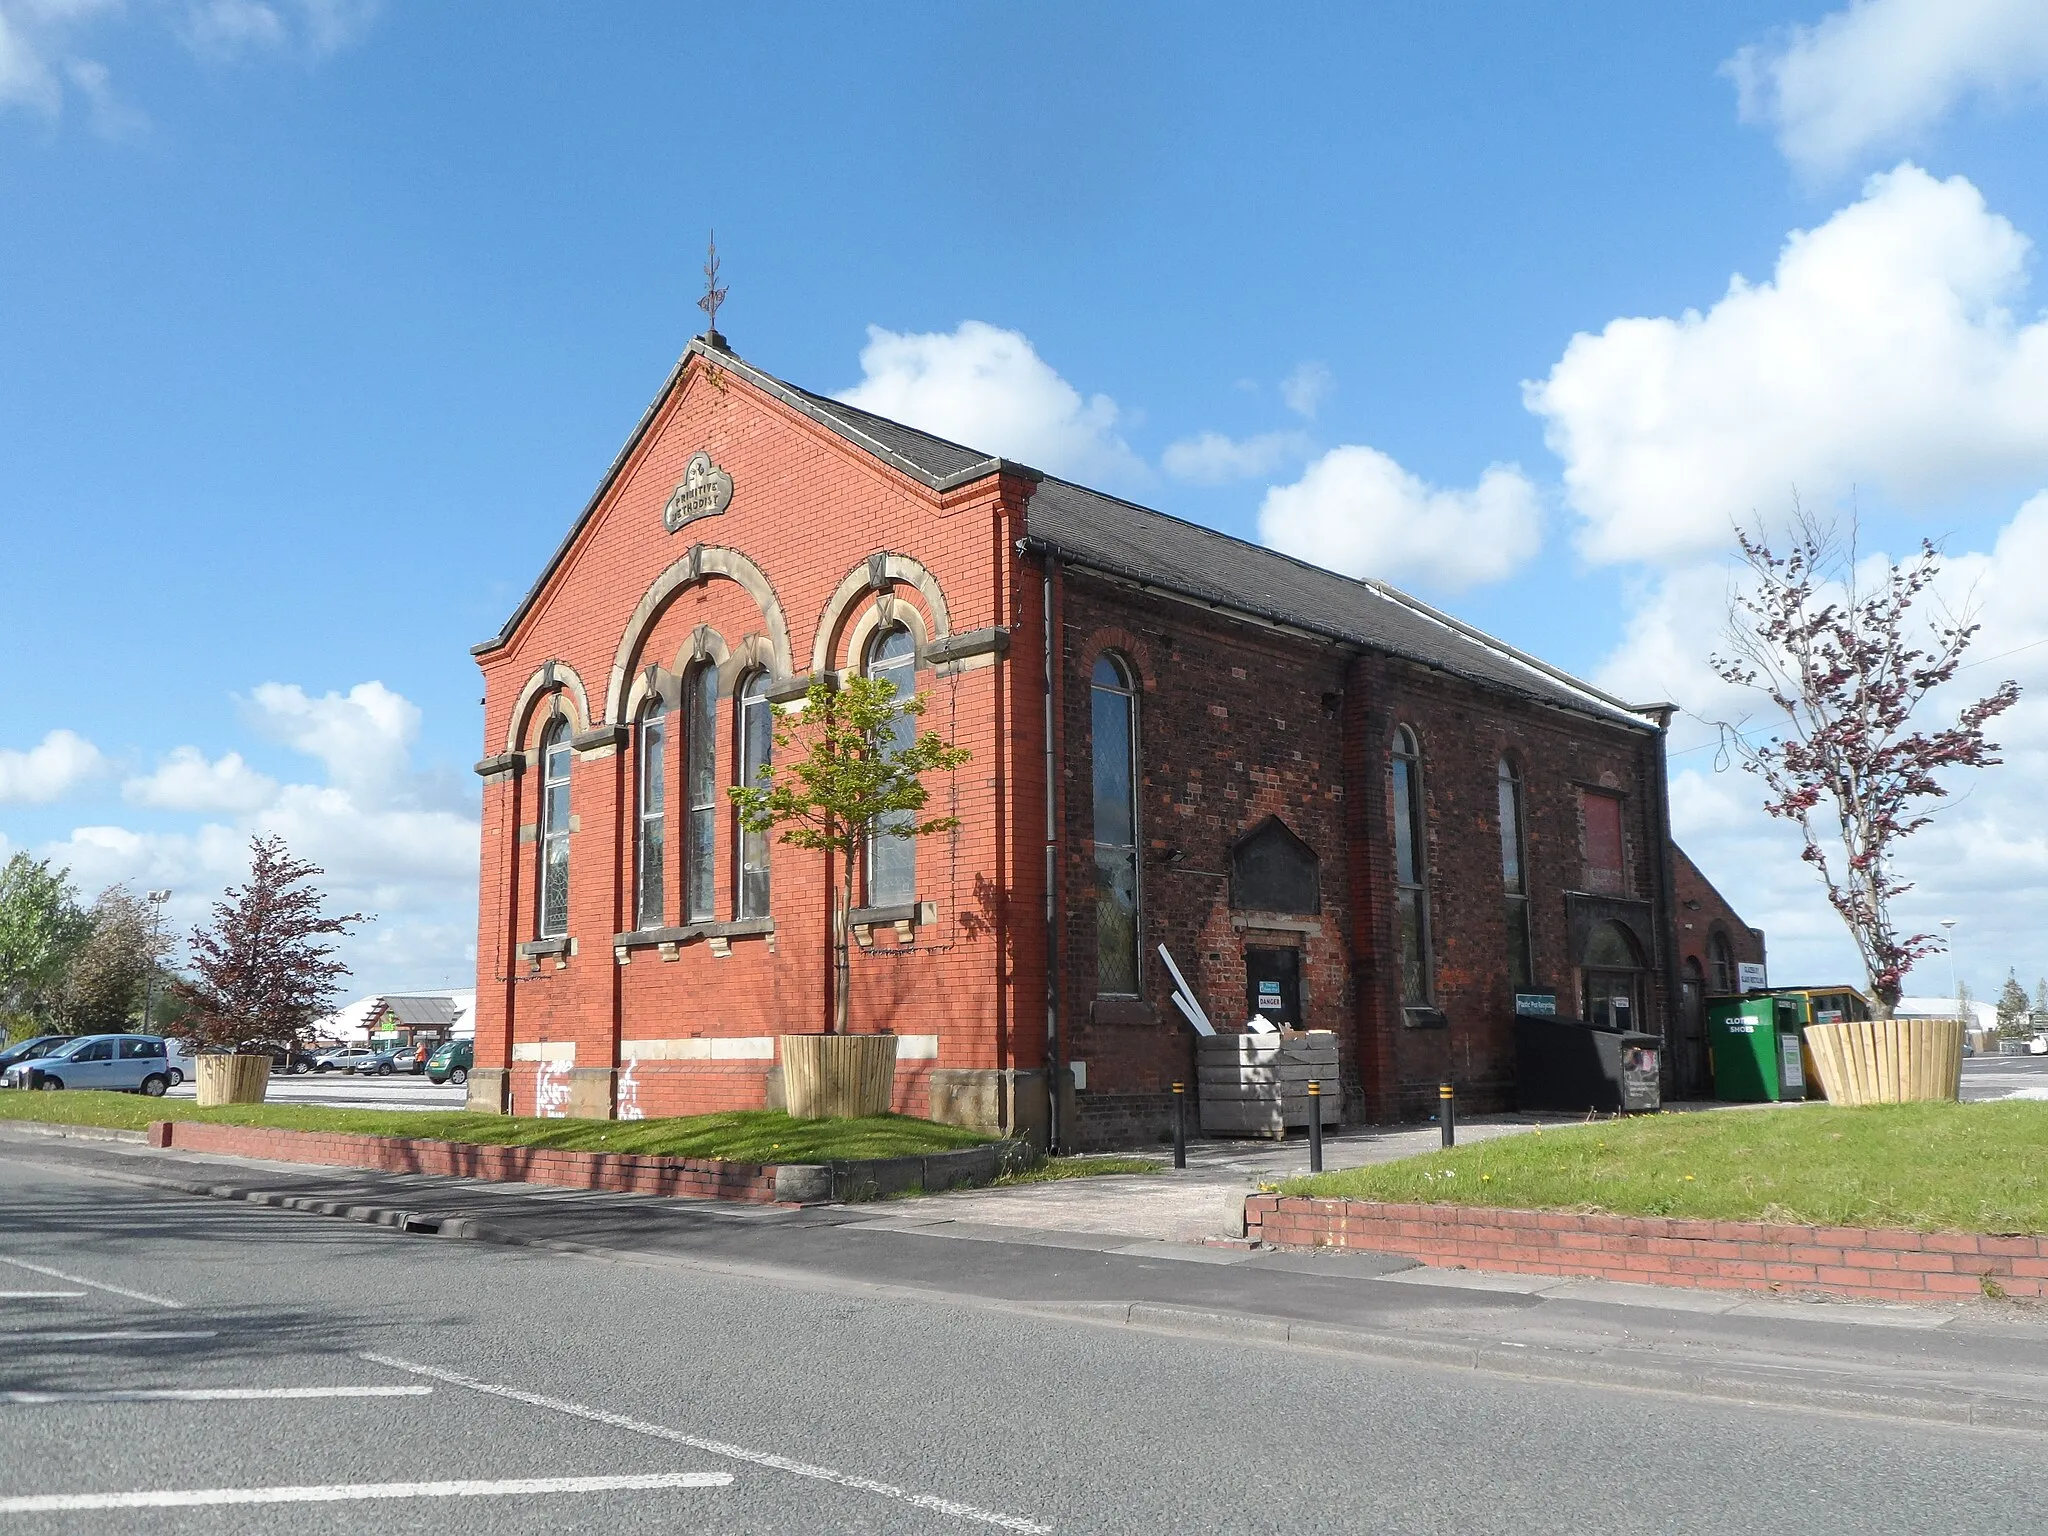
<point x="713" y="295"/>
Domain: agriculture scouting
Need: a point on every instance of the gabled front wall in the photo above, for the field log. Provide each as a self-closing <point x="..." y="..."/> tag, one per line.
<point x="782" y="577"/>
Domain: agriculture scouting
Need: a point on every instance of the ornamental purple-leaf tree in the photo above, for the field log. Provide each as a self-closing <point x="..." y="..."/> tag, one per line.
<point x="260" y="971"/>
<point x="1848" y="659"/>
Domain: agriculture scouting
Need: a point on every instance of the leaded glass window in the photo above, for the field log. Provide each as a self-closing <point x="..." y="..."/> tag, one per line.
<point x="756" y="749"/>
<point x="700" y="787"/>
<point x="1114" y="740"/>
<point x="1514" y="880"/>
<point x="892" y="860"/>
<point x="554" y="830"/>
<point x="1411" y="870"/>
<point x="653" y="815"/>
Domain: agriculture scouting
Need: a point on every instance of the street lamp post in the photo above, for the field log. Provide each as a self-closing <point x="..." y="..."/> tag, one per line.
<point x="156" y="928"/>
<point x="1955" y="987"/>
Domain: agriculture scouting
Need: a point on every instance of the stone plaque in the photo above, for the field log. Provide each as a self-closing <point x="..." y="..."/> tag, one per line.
<point x="706" y="491"/>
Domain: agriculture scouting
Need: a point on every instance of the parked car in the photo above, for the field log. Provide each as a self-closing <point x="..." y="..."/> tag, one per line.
<point x="283" y="1059"/>
<point x="381" y="1063"/>
<point x="452" y="1062"/>
<point x="412" y="1058"/>
<point x="184" y="1064"/>
<point x="121" y="1063"/>
<point x="347" y="1059"/>
<point x="30" y="1049"/>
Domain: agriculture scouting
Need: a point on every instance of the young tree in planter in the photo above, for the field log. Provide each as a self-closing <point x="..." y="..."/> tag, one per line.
<point x="1847" y="664"/>
<point x="260" y="972"/>
<point x="853" y="783"/>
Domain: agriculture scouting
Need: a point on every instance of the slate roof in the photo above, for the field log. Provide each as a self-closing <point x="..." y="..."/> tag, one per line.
<point x="1120" y="538"/>
<point x="430" y="1010"/>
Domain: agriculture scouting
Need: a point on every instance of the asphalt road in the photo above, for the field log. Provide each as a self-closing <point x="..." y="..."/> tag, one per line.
<point x="397" y="1382"/>
<point x="2005" y="1077"/>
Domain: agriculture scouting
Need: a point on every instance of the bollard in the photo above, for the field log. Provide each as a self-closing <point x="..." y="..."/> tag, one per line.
<point x="1180" y="1125"/>
<point x="1447" y="1113"/>
<point x="1315" y="1126"/>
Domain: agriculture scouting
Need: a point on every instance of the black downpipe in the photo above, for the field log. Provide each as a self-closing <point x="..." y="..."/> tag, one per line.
<point x="1053" y="1128"/>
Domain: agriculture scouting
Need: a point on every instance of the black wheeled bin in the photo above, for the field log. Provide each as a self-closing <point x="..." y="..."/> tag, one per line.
<point x="1570" y="1064"/>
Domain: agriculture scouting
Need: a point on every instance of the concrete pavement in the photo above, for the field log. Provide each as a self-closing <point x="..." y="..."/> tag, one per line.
<point x="737" y="1380"/>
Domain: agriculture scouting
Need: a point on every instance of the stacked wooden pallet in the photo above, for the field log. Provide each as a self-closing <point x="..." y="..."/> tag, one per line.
<point x="1257" y="1085"/>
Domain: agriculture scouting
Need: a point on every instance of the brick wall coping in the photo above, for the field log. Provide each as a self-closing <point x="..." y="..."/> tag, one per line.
<point x="619" y="1172"/>
<point x="1883" y="1263"/>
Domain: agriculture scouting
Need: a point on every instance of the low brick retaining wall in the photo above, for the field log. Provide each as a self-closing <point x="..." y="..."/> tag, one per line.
<point x="1890" y="1265"/>
<point x="619" y="1172"/>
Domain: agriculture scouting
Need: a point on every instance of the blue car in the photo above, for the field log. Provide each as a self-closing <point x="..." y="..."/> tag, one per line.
<point x="120" y="1063"/>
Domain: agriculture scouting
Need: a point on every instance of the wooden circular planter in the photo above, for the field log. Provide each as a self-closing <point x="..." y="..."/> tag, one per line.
<point x="1888" y="1061"/>
<point x="838" y="1077"/>
<point x="232" y="1079"/>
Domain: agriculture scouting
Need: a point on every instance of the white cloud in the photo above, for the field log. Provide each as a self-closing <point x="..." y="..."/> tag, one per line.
<point x="1212" y="459"/>
<point x="228" y="29"/>
<point x="36" y="51"/>
<point x="392" y="842"/>
<point x="988" y="389"/>
<point x="50" y="770"/>
<point x="1307" y="388"/>
<point x="186" y="781"/>
<point x="1883" y="352"/>
<point x="1357" y="511"/>
<point x="1878" y="73"/>
<point x="364" y="737"/>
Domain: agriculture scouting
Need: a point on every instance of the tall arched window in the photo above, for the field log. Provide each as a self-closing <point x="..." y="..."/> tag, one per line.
<point x="653" y="818"/>
<point x="1613" y="966"/>
<point x="700" y="790"/>
<point x="1721" y="974"/>
<point x="1114" y="739"/>
<point x="1411" y="870"/>
<point x="892" y="861"/>
<point x="554" y="830"/>
<point x="1514" y="879"/>
<point x="756" y="735"/>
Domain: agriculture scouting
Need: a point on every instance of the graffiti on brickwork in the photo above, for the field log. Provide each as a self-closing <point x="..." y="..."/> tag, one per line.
<point x="551" y="1090"/>
<point x="629" y="1094"/>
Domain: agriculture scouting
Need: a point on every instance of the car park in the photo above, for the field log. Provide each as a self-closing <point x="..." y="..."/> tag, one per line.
<point x="451" y="1063"/>
<point x="119" y="1063"/>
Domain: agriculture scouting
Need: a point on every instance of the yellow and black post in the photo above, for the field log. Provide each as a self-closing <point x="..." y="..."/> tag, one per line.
<point x="1315" y="1126"/>
<point x="1180" y="1125"/>
<point x="1447" y="1113"/>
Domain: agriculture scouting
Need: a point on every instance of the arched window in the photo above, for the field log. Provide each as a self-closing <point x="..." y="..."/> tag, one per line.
<point x="554" y="830"/>
<point x="1721" y="972"/>
<point x="700" y="790"/>
<point x="755" y="730"/>
<point x="1613" y="966"/>
<point x="892" y="861"/>
<point x="1114" y="741"/>
<point x="1514" y="879"/>
<point x="652" y="903"/>
<point x="1411" y="870"/>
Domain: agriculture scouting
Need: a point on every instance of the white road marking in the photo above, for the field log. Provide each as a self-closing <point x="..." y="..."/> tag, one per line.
<point x="97" y="1285"/>
<point x="82" y="1336"/>
<point x="340" y="1493"/>
<point x="204" y="1394"/>
<point x="36" y="1295"/>
<point x="952" y="1507"/>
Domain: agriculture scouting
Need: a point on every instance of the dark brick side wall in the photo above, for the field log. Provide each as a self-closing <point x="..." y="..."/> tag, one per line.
<point x="1703" y="912"/>
<point x="1239" y="722"/>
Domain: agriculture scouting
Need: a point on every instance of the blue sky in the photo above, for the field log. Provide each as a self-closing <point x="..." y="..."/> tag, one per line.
<point x="320" y="319"/>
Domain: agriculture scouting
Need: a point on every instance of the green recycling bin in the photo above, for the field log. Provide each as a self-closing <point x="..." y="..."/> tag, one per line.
<point x="1754" y="1046"/>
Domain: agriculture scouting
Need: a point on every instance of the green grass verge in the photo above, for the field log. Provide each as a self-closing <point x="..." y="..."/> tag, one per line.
<point x="1946" y="1167"/>
<point x="743" y="1136"/>
<point x="1055" y="1168"/>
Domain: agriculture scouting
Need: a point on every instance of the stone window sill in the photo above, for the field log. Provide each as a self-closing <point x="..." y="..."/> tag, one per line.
<point x="906" y="919"/>
<point x="1424" y="1018"/>
<point x="534" y="949"/>
<point x="689" y="933"/>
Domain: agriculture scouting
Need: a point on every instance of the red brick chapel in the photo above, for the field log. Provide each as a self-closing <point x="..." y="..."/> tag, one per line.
<point x="1306" y="787"/>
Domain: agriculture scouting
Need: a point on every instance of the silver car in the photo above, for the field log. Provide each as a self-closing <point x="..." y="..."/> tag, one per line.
<point x="119" y="1063"/>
